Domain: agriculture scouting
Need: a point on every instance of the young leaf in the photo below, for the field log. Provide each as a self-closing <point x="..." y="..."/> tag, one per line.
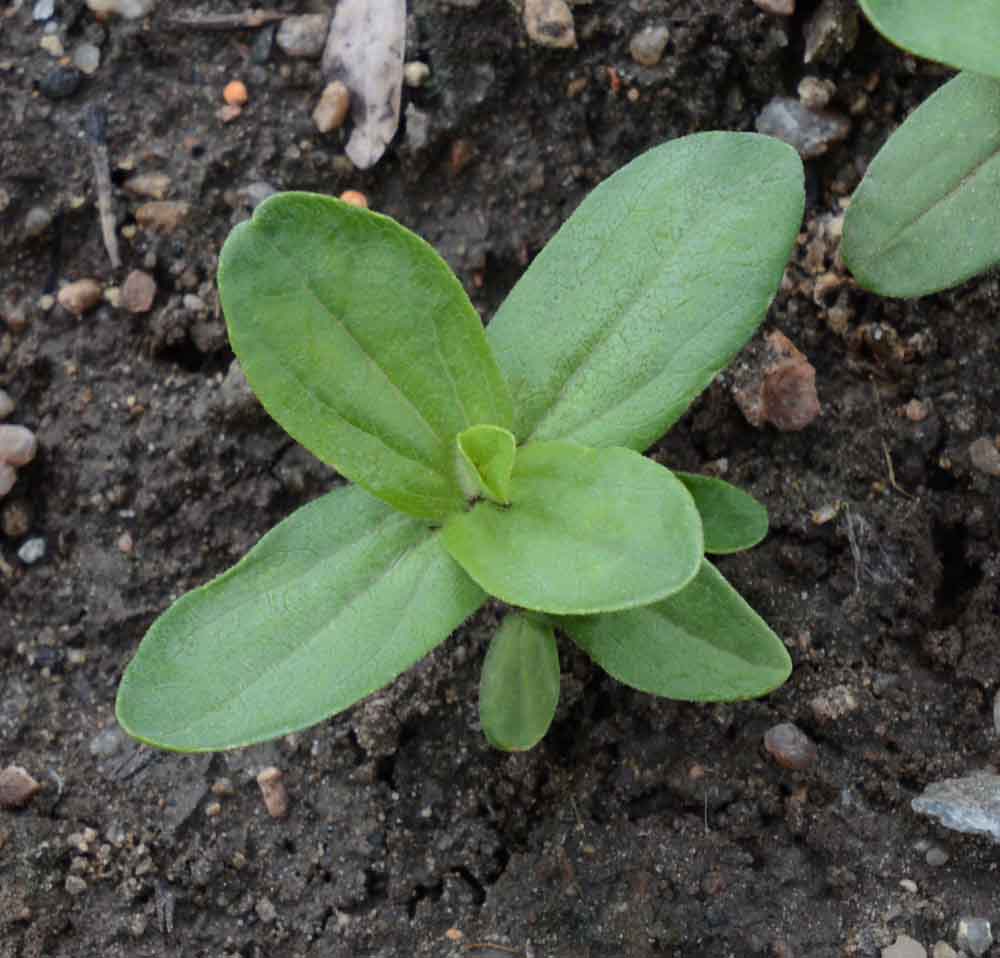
<point x="487" y="454"/>
<point x="519" y="689"/>
<point x="329" y="308"/>
<point x="702" y="644"/>
<point x="587" y="530"/>
<point x="731" y="520"/>
<point x="926" y="215"/>
<point x="646" y="292"/>
<point x="962" y="33"/>
<point x="329" y="606"/>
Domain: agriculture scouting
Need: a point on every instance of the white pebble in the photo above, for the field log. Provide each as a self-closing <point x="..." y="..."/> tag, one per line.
<point x="87" y="58"/>
<point x="17" y="445"/>
<point x="416" y="73"/>
<point x="129" y="9"/>
<point x="32" y="551"/>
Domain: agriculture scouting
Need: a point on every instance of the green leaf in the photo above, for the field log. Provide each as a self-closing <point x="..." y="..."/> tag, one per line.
<point x="519" y="689"/>
<point x="962" y="33"/>
<point x="359" y="340"/>
<point x="703" y="644"/>
<point x="587" y="530"/>
<point x="329" y="606"/>
<point x="927" y="214"/>
<point x="731" y="520"/>
<point x="646" y="292"/>
<point x="488" y="452"/>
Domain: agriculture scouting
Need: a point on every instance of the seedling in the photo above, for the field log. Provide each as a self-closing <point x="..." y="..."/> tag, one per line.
<point x="927" y="214"/>
<point x="505" y="463"/>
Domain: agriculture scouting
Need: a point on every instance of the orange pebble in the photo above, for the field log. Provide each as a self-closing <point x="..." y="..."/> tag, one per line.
<point x="235" y="93"/>
<point x="355" y="198"/>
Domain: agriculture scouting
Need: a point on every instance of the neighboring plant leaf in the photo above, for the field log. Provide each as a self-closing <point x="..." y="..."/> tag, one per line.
<point x="329" y="606"/>
<point x="646" y="292"/>
<point x="962" y="33"/>
<point x="731" y="520"/>
<point x="587" y="530"/>
<point x="488" y="452"/>
<point x="364" y="50"/>
<point x="359" y="340"/>
<point x="703" y="644"/>
<point x="927" y="214"/>
<point x="519" y="689"/>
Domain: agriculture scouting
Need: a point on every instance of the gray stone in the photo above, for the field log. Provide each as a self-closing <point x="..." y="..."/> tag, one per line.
<point x="985" y="456"/>
<point x="974" y="935"/>
<point x="648" y="44"/>
<point x="970" y="805"/>
<point x="905" y="947"/>
<point x="43" y="10"/>
<point x="87" y="58"/>
<point x="811" y="132"/>
<point x="303" y="36"/>
<point x="32" y="551"/>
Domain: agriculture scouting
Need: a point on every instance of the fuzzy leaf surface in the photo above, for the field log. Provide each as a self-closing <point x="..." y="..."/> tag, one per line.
<point x="519" y="689"/>
<point x="648" y="289"/>
<point x="330" y="605"/>
<point x="587" y="530"/>
<point x="731" y="520"/>
<point x="488" y="452"/>
<point x="927" y="214"/>
<point x="962" y="33"/>
<point x="359" y="340"/>
<point x="702" y="644"/>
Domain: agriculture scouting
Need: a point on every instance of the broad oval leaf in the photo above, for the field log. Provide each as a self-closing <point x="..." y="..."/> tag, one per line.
<point x="962" y="33"/>
<point x="329" y="606"/>
<point x="359" y="340"/>
<point x="702" y="644"/>
<point x="649" y="288"/>
<point x="731" y="520"/>
<point x="488" y="453"/>
<point x="926" y="216"/>
<point x="519" y="689"/>
<point x="587" y="530"/>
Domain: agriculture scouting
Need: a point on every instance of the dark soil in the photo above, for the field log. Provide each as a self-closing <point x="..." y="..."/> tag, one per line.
<point x="639" y="826"/>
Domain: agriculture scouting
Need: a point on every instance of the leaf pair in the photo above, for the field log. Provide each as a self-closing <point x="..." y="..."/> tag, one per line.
<point x="927" y="214"/>
<point x="361" y="343"/>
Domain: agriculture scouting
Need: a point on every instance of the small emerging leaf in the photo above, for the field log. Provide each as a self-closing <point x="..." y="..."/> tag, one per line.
<point x="587" y="530"/>
<point x="648" y="289"/>
<point x="359" y="340"/>
<point x="488" y="453"/>
<point x="731" y="519"/>
<point x="329" y="606"/>
<point x="962" y="33"/>
<point x="926" y="215"/>
<point x="703" y="644"/>
<point x="519" y="690"/>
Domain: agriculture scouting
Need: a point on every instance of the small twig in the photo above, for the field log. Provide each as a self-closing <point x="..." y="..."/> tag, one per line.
<point x="248" y="20"/>
<point x="483" y="945"/>
<point x="95" y="123"/>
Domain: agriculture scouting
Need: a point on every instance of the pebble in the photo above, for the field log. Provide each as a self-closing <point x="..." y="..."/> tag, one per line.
<point x="87" y="58"/>
<point x="779" y="387"/>
<point x="943" y="950"/>
<point x="52" y="45"/>
<point x="970" y="805"/>
<point x="815" y="93"/>
<point x="648" y="44"/>
<point x="303" y="36"/>
<point x="904" y="947"/>
<point x="80" y="296"/>
<point x="354" y="198"/>
<point x="781" y="8"/>
<point x="162" y="216"/>
<point x="272" y="788"/>
<point x="789" y="746"/>
<point x="256" y="192"/>
<point x="138" y="292"/>
<point x="416" y="73"/>
<point x="8" y="476"/>
<point x="811" y="132"/>
<point x="550" y="23"/>
<point x="18" y="445"/>
<point x="32" y="551"/>
<point x="985" y="456"/>
<point x="974" y="935"/>
<point x="17" y="787"/>
<point x="235" y="93"/>
<point x="153" y="185"/>
<point x="75" y="885"/>
<point x="831" y="32"/>
<point x="6" y="404"/>
<point x="60" y="82"/>
<point x="43" y="10"/>
<point x="833" y="704"/>
<point x="266" y="911"/>
<point x="16" y="519"/>
<point x="129" y="9"/>
<point x="936" y="857"/>
<point x="418" y="127"/>
<point x="331" y="110"/>
<point x="36" y="221"/>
